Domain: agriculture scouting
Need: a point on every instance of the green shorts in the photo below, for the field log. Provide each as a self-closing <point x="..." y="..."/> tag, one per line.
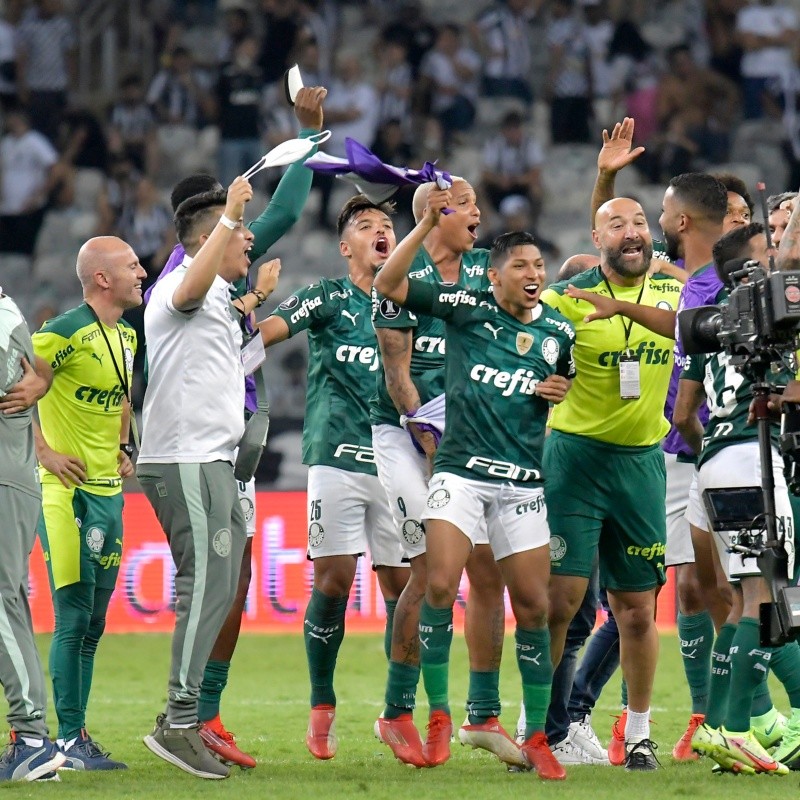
<point x="608" y="498"/>
<point x="81" y="535"/>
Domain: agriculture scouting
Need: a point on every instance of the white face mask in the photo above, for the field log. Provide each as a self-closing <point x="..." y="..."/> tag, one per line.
<point x="287" y="153"/>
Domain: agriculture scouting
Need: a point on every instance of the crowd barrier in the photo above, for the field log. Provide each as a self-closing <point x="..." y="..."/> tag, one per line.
<point x="279" y="588"/>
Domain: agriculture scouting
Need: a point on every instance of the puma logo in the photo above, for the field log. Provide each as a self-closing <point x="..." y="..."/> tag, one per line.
<point x="323" y="639"/>
<point x="494" y="330"/>
<point x="351" y="317"/>
<point x="98" y="357"/>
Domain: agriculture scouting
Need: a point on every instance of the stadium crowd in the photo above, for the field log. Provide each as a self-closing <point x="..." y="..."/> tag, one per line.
<point x="558" y="447"/>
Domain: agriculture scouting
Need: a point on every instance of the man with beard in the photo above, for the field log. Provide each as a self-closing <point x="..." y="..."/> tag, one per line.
<point x="604" y="470"/>
<point x="347" y="507"/>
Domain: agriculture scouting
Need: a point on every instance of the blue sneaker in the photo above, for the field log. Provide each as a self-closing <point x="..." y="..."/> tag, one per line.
<point x="86" y="754"/>
<point x="23" y="762"/>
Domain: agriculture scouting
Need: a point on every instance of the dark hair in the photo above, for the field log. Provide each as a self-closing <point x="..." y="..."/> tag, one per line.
<point x="513" y="119"/>
<point x="774" y="200"/>
<point x="703" y="192"/>
<point x="191" y="186"/>
<point x="506" y="242"/>
<point x="733" y="183"/>
<point x="355" y="205"/>
<point x="627" y="41"/>
<point x="196" y="211"/>
<point x="735" y="243"/>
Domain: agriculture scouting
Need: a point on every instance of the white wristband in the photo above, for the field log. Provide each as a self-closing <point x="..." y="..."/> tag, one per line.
<point x="227" y="222"/>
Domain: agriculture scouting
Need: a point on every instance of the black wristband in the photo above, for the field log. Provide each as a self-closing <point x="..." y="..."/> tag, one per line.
<point x="260" y="296"/>
<point x="126" y="448"/>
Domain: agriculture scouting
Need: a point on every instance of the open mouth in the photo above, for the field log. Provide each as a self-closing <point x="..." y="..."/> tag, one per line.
<point x="531" y="290"/>
<point x="382" y="246"/>
<point x="246" y="253"/>
<point x="632" y="251"/>
<point x="473" y="229"/>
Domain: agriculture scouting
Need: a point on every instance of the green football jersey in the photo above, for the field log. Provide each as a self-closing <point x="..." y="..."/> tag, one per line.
<point x="728" y="394"/>
<point x="593" y="406"/>
<point x="428" y="339"/>
<point x="342" y="365"/>
<point x="495" y="423"/>
<point x="81" y="415"/>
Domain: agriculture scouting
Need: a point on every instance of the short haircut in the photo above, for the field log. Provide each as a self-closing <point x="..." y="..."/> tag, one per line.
<point x="195" y="213"/>
<point x="191" y="186"/>
<point x="506" y="242"/>
<point x="735" y="243"/>
<point x="774" y="200"/>
<point x="355" y="205"/>
<point x="704" y="193"/>
<point x="733" y="183"/>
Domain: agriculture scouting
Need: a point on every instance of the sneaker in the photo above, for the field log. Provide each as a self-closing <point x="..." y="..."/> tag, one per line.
<point x="705" y="739"/>
<point x="436" y="749"/>
<point x="641" y="756"/>
<point x="24" y="762"/>
<point x="568" y="753"/>
<point x="401" y="736"/>
<point x="222" y="743"/>
<point x="539" y="755"/>
<point x="86" y="754"/>
<point x="683" y="748"/>
<point x="184" y="748"/>
<point x="616" y="747"/>
<point x="321" y="738"/>
<point x="788" y="751"/>
<point x="582" y="735"/>
<point x="741" y="752"/>
<point x="770" y="729"/>
<point x="490" y="735"/>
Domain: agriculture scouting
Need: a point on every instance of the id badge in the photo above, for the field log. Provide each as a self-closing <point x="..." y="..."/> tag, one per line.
<point x="629" y="377"/>
<point x="253" y="354"/>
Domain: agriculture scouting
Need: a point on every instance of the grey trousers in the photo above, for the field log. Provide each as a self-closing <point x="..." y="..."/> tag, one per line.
<point x="20" y="667"/>
<point x="198" y="508"/>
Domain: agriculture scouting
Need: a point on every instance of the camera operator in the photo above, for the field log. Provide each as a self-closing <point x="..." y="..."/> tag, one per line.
<point x="728" y="456"/>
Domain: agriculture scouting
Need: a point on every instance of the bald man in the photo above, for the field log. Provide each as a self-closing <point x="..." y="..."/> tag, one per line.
<point x="84" y="452"/>
<point x="604" y="468"/>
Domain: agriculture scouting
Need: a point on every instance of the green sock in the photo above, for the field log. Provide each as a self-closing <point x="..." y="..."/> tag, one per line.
<point x="696" y="635"/>
<point x="215" y="678"/>
<point x="762" y="700"/>
<point x="719" y="685"/>
<point x="623" y="693"/>
<point x="785" y="663"/>
<point x="323" y="631"/>
<point x="749" y="665"/>
<point x="483" y="697"/>
<point x="536" y="669"/>
<point x="391" y="605"/>
<point x="401" y="689"/>
<point x="435" y="638"/>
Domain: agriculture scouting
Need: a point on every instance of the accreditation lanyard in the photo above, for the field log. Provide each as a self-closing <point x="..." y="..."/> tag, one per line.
<point x="630" y="384"/>
<point x="122" y="374"/>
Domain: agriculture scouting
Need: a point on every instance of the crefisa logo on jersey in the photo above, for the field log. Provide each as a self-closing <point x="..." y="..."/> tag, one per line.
<point x="550" y="350"/>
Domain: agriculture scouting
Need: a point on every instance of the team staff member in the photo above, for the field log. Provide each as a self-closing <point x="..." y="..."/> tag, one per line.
<point x="347" y="506"/>
<point x="604" y="470"/>
<point x="30" y="754"/>
<point x="83" y="449"/>
<point x="192" y="424"/>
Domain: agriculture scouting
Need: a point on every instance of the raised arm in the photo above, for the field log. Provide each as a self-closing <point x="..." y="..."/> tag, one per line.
<point x="392" y="280"/>
<point x="789" y="249"/>
<point x="192" y="290"/>
<point x="615" y="154"/>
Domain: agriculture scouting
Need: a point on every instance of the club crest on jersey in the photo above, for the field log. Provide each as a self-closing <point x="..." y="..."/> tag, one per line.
<point x="289" y="303"/>
<point x="247" y="508"/>
<point x="524" y="343"/>
<point x="388" y="309"/>
<point x="95" y="539"/>
<point x="316" y="534"/>
<point x="550" y="349"/>
<point x="412" y="531"/>
<point x="438" y="498"/>
<point x="558" y="548"/>
<point x="222" y="542"/>
<point x="128" y="360"/>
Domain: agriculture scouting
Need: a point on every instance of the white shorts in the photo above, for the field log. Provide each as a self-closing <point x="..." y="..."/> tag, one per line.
<point x="679" y="538"/>
<point x="403" y="473"/>
<point x="515" y="515"/>
<point x="247" y="497"/>
<point x="348" y="515"/>
<point x="740" y="465"/>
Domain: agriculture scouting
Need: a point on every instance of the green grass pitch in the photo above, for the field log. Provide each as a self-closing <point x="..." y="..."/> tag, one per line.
<point x="266" y="705"/>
